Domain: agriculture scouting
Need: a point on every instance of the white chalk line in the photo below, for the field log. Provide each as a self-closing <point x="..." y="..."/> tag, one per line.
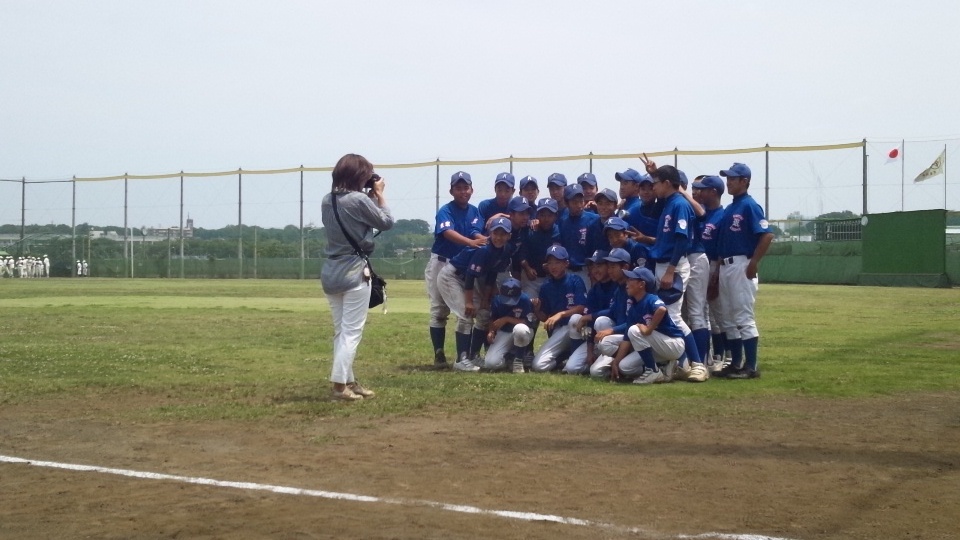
<point x="464" y="509"/>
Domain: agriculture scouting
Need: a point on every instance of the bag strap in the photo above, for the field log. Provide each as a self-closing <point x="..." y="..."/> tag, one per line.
<point x="353" y="243"/>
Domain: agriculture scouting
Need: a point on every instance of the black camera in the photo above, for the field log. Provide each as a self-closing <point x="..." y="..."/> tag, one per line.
<point x="369" y="184"/>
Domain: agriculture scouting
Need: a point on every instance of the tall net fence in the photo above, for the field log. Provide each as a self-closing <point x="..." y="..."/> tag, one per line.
<point x="135" y="225"/>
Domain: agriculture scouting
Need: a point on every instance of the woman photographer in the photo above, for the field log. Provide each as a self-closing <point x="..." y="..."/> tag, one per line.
<point x="345" y="277"/>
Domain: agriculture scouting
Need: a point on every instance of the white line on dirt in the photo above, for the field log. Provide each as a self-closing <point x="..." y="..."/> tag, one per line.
<point x="510" y="514"/>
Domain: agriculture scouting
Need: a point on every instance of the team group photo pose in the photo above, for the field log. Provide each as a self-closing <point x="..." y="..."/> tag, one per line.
<point x="653" y="282"/>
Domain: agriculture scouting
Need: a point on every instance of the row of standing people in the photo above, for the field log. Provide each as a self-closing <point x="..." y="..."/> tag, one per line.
<point x="554" y="249"/>
<point x="25" y="267"/>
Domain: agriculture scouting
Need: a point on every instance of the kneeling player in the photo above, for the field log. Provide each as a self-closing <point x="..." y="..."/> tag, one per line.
<point x="510" y="329"/>
<point x="653" y="336"/>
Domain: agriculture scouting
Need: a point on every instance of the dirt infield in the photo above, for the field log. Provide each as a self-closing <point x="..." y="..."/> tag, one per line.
<point x="797" y="468"/>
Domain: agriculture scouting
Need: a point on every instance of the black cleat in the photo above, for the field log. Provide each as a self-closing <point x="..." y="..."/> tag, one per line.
<point x="440" y="359"/>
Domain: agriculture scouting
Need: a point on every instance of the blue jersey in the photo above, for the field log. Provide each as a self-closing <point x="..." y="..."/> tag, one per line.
<point x="558" y="295"/>
<point x="581" y="236"/>
<point x="517" y="238"/>
<point x="642" y="312"/>
<point x="489" y="208"/>
<point x="639" y="253"/>
<point x="673" y="228"/>
<point x="521" y="310"/>
<point x="619" y="307"/>
<point x="600" y="296"/>
<point x="534" y="248"/>
<point x="631" y="213"/>
<point x="465" y="221"/>
<point x="708" y="227"/>
<point x="740" y="227"/>
<point x="483" y="262"/>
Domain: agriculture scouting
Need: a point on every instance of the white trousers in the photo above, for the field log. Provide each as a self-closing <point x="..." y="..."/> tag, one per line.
<point x="683" y="268"/>
<point x="439" y="311"/>
<point x="695" y="293"/>
<point x="554" y="347"/>
<point x="715" y="313"/>
<point x="738" y="296"/>
<point x="451" y="291"/>
<point x="579" y="362"/>
<point x="349" y="312"/>
<point x="520" y="336"/>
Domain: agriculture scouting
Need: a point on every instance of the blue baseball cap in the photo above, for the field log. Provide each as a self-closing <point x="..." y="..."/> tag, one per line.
<point x="460" y="176"/>
<point x="518" y="204"/>
<point x="710" y="182"/>
<point x="683" y="178"/>
<point x="598" y="256"/>
<point x="501" y="223"/>
<point x="510" y="291"/>
<point x="672" y="294"/>
<point x="644" y="274"/>
<point x="556" y="179"/>
<point x="607" y="194"/>
<point x="615" y="224"/>
<point x="505" y="178"/>
<point x="628" y="175"/>
<point x="528" y="180"/>
<point x="737" y="169"/>
<point x="587" y="178"/>
<point x="557" y="252"/>
<point x="572" y="191"/>
<point x="618" y="255"/>
<point x="548" y="204"/>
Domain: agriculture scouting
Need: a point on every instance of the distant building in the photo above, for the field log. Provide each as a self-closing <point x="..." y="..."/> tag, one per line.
<point x="172" y="232"/>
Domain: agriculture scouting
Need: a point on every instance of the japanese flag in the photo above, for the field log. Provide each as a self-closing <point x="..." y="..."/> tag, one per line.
<point x="893" y="156"/>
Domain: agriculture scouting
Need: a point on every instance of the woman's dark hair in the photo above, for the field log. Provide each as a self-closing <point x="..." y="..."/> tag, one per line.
<point x="351" y="173"/>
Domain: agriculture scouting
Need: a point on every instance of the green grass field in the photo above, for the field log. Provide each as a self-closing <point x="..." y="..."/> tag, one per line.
<point x="261" y="349"/>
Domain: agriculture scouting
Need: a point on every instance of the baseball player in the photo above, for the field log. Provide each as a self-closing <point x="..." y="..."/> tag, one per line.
<point x="599" y="298"/>
<point x="556" y="183"/>
<point x="606" y="201"/>
<point x="467" y="285"/>
<point x="580" y="231"/>
<point x="707" y="190"/>
<point x="510" y="330"/>
<point x="615" y="232"/>
<point x="562" y="295"/>
<point x="498" y="206"/>
<point x="86" y="268"/>
<point x="652" y="335"/>
<point x="610" y="325"/>
<point x="530" y="191"/>
<point x="532" y="256"/>
<point x="669" y="251"/>
<point x="588" y="182"/>
<point x="744" y="239"/>
<point x="458" y="225"/>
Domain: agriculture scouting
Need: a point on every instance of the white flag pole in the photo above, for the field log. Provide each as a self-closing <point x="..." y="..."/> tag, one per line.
<point x="903" y="159"/>
<point x="945" y="177"/>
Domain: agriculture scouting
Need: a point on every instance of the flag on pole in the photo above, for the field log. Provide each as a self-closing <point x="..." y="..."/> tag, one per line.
<point x="934" y="169"/>
<point x="893" y="156"/>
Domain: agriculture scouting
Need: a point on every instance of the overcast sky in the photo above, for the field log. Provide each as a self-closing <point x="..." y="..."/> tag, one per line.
<point x="98" y="88"/>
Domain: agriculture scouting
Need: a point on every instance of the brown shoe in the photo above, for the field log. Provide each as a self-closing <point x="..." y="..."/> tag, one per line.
<point x="347" y="394"/>
<point x="363" y="392"/>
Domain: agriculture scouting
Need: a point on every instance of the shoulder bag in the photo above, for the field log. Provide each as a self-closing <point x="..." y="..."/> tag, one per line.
<point x="378" y="285"/>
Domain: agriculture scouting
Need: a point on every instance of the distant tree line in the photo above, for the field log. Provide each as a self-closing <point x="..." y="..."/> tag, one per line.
<point x="55" y="241"/>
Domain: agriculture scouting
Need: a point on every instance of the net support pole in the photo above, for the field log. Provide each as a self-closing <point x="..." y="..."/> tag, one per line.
<point x="303" y="269"/>
<point x="240" y="223"/>
<point x="437" y="203"/>
<point x="73" y="228"/>
<point x="181" y="224"/>
<point x="766" y="180"/>
<point x="23" y="214"/>
<point x="864" y="177"/>
<point x="676" y="151"/>
<point x="126" y="239"/>
<point x="511" y="163"/>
